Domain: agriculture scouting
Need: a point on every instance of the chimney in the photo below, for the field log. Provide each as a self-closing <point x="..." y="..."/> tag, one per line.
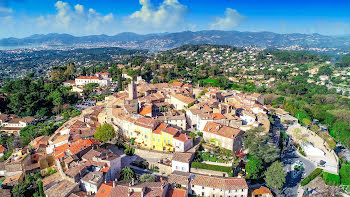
<point x="113" y="184"/>
<point x="132" y="181"/>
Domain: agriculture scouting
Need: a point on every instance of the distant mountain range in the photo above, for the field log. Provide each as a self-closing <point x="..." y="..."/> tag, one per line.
<point x="165" y="41"/>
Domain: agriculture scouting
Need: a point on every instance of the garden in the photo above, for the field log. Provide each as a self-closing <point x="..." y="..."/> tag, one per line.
<point x="214" y="154"/>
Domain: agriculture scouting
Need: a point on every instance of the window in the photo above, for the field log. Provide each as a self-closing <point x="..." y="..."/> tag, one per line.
<point x="202" y="193"/>
<point x="183" y="169"/>
<point x="242" y="190"/>
<point x="177" y="167"/>
<point x="168" y="141"/>
<point x="154" y="139"/>
<point x="158" y="140"/>
<point x="203" y="188"/>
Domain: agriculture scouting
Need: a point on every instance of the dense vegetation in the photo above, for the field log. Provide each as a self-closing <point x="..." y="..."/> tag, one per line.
<point x="311" y="176"/>
<point x="28" y="97"/>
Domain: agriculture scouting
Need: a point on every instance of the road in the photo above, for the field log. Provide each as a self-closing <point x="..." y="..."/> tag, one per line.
<point x="289" y="157"/>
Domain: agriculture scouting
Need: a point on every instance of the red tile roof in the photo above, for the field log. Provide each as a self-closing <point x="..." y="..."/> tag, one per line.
<point x="261" y="190"/>
<point x="176" y="193"/>
<point x="222" y="130"/>
<point x="182" y="137"/>
<point x="146" y="122"/>
<point x="217" y="116"/>
<point x="87" y="77"/>
<point x="177" y="83"/>
<point x="104" y="190"/>
<point x="146" y="110"/>
<point x="159" y="129"/>
<point x="171" y="130"/>
<point x="219" y="182"/>
<point x="2" y="149"/>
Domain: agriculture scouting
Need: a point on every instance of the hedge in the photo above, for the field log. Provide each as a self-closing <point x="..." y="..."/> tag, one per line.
<point x="211" y="167"/>
<point x="344" y="173"/>
<point x="331" y="179"/>
<point x="311" y="177"/>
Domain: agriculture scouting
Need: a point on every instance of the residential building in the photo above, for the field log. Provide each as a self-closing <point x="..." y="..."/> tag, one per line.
<point x="181" y="162"/>
<point x="83" y="80"/>
<point x="181" y="102"/>
<point x="223" y="136"/>
<point x="203" y="185"/>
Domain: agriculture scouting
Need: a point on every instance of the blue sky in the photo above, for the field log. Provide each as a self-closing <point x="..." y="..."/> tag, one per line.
<point x="20" y="18"/>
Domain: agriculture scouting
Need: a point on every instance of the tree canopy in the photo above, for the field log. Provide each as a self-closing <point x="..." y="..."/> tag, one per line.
<point x="275" y="177"/>
<point x="105" y="133"/>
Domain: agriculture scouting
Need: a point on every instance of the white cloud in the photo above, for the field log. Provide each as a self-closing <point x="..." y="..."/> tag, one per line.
<point x="79" y="8"/>
<point x="5" y="11"/>
<point x="231" y="20"/>
<point x="168" y="16"/>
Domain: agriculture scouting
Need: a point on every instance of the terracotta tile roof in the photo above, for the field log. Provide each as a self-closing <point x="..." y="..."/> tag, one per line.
<point x="182" y="157"/>
<point x="182" y="137"/>
<point x="219" y="182"/>
<point x="59" y="151"/>
<point x="171" y="130"/>
<point x="146" y="122"/>
<point x="2" y="149"/>
<point x="196" y="111"/>
<point x="176" y="193"/>
<point x="104" y="190"/>
<point x="218" y="116"/>
<point x="185" y="99"/>
<point x="177" y="83"/>
<point x="87" y="77"/>
<point x="159" y="129"/>
<point x="105" y="170"/>
<point x="261" y="190"/>
<point x="146" y="110"/>
<point x="79" y="145"/>
<point x="222" y="130"/>
<point x="187" y="86"/>
<point x="179" y="177"/>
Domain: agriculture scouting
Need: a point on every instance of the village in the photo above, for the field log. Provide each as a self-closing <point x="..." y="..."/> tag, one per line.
<point x="188" y="141"/>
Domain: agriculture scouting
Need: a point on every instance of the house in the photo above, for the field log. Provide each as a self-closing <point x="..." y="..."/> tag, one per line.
<point x="192" y="116"/>
<point x="181" y="162"/>
<point x="83" y="80"/>
<point x="260" y="191"/>
<point x="203" y="185"/>
<point x="202" y="120"/>
<point x="63" y="188"/>
<point x="123" y="189"/>
<point x="2" y="150"/>
<point x="110" y="162"/>
<point x="167" y="138"/>
<point x="12" y="124"/>
<point x="182" y="142"/>
<point x="176" y="192"/>
<point x="13" y="180"/>
<point x="91" y="182"/>
<point x="181" y="102"/>
<point x="179" y="179"/>
<point x="178" y="121"/>
<point x="223" y="136"/>
<point x="143" y="128"/>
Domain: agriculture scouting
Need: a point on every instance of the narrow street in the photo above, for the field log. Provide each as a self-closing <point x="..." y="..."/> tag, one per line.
<point x="289" y="157"/>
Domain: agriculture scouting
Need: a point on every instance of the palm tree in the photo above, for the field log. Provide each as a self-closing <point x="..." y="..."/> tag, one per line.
<point x="128" y="174"/>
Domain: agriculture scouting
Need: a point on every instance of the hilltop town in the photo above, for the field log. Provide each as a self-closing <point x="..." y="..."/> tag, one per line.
<point x="199" y="120"/>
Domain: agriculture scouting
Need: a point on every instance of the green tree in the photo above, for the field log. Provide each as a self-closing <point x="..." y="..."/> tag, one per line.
<point x="88" y="88"/>
<point x="253" y="168"/>
<point x="128" y="174"/>
<point x="258" y="145"/>
<point x="275" y="177"/>
<point x="147" y="178"/>
<point x="105" y="133"/>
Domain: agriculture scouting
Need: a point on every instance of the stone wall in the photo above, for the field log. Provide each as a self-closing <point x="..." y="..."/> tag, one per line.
<point x="151" y="154"/>
<point x="208" y="172"/>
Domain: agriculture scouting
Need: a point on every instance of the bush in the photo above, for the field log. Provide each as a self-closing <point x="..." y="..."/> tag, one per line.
<point x="200" y="134"/>
<point x="331" y="179"/>
<point x="147" y="178"/>
<point x="344" y="173"/>
<point x="211" y="167"/>
<point x="311" y="177"/>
